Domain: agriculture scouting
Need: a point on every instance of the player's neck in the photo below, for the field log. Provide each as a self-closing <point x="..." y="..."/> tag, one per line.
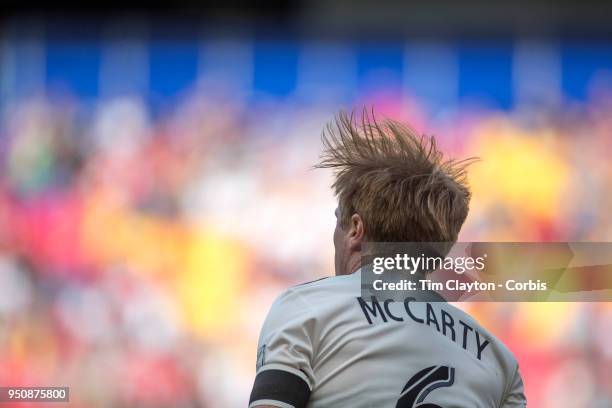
<point x="353" y="264"/>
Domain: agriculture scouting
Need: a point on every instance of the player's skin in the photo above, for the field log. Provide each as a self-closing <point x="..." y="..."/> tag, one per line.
<point x="347" y="245"/>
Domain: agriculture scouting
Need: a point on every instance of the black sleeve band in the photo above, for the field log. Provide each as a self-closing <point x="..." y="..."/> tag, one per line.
<point x="279" y="385"/>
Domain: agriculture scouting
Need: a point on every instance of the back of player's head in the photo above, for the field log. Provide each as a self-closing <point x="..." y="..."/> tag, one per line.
<point x="396" y="180"/>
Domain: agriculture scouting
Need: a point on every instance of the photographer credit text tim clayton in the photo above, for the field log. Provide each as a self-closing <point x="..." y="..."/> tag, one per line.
<point x="457" y="285"/>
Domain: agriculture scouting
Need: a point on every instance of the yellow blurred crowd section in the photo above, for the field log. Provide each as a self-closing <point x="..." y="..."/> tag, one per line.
<point x="203" y="269"/>
<point x="519" y="167"/>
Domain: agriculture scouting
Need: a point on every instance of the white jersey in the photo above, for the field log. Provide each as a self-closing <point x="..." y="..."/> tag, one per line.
<point x="322" y="345"/>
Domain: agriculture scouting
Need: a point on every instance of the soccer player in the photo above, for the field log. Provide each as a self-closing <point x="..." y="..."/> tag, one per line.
<point x="322" y="345"/>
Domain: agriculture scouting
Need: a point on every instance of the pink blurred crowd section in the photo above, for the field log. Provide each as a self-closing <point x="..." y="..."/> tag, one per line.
<point x="139" y="253"/>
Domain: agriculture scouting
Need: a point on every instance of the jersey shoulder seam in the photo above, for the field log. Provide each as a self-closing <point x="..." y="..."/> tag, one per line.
<point x="509" y="383"/>
<point x="309" y="282"/>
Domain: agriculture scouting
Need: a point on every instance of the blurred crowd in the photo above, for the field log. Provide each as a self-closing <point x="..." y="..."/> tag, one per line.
<point x="140" y="250"/>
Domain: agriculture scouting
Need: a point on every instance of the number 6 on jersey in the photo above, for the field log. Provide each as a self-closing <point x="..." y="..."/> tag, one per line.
<point x="422" y="383"/>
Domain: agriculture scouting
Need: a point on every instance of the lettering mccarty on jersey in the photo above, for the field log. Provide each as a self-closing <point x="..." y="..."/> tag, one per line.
<point x="441" y="321"/>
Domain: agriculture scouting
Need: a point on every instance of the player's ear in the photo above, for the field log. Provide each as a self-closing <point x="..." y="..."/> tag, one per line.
<point x="356" y="233"/>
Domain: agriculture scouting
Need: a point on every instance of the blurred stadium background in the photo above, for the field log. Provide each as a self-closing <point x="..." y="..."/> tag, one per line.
<point x="156" y="191"/>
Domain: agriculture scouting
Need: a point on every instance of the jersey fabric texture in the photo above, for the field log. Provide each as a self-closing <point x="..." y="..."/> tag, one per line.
<point x="322" y="345"/>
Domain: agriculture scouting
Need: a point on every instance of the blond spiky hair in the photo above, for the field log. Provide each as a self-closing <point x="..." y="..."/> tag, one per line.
<point x="395" y="179"/>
